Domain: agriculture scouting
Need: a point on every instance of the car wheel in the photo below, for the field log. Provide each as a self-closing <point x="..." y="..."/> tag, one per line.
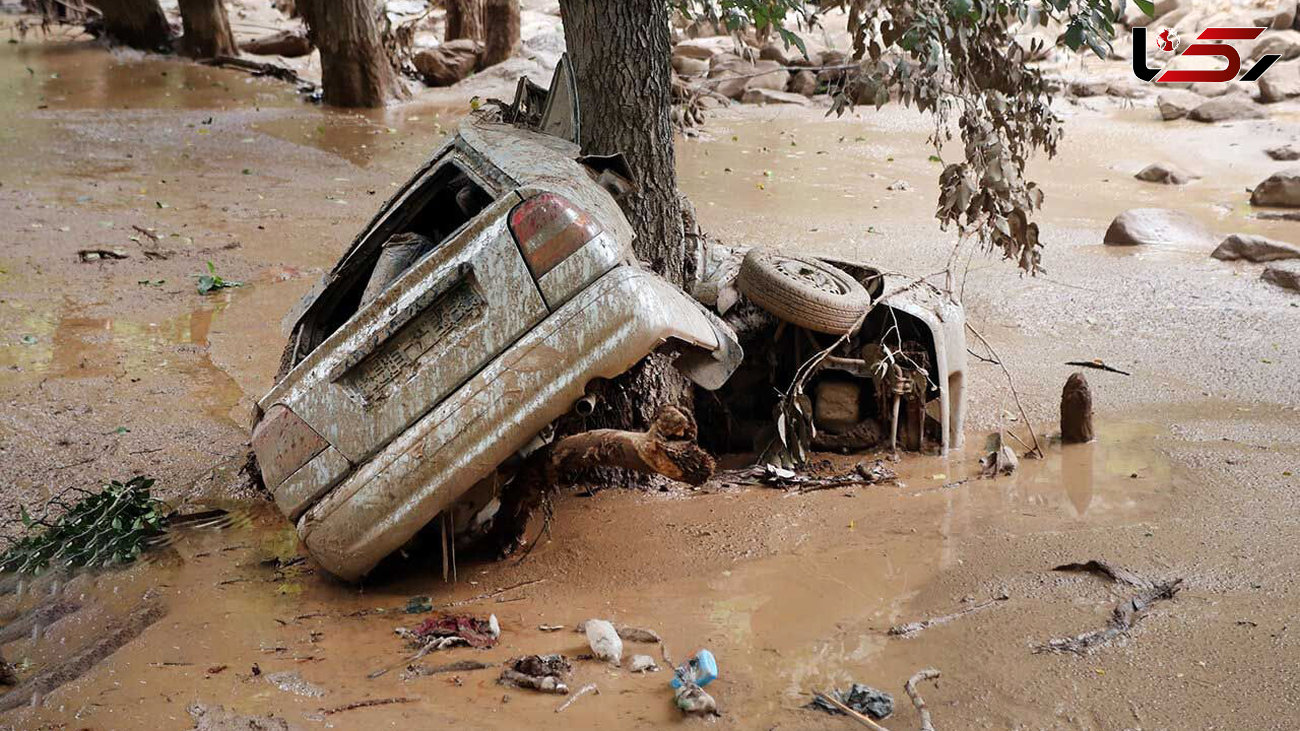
<point x="803" y="291"/>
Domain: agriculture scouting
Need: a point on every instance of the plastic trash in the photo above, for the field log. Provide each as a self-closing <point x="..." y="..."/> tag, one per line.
<point x="700" y="670"/>
<point x="604" y="641"/>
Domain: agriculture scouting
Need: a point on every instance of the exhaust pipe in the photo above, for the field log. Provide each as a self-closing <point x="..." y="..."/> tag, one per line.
<point x="586" y="405"/>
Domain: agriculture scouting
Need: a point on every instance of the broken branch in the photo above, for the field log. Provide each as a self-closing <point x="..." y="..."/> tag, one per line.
<point x="1122" y="619"/>
<point x="912" y="629"/>
<point x="917" y="700"/>
<point x="1014" y="393"/>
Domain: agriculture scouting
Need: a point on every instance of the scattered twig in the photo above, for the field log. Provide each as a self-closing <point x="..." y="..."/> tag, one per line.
<point x="910" y="687"/>
<point x="912" y="629"/>
<point x="1122" y="618"/>
<point x="865" y="721"/>
<point x="588" y="688"/>
<point x="496" y="593"/>
<point x="146" y="232"/>
<point x="460" y="666"/>
<point x="369" y="703"/>
<point x="1011" y="383"/>
<point x="1097" y="365"/>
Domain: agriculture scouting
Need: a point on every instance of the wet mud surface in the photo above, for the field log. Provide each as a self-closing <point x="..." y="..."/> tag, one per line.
<point x="119" y="367"/>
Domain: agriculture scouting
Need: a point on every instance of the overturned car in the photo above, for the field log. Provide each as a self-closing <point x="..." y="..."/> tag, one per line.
<point x="486" y="295"/>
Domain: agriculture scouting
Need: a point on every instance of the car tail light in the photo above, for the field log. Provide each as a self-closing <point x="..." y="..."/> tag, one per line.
<point x="284" y="442"/>
<point x="549" y="228"/>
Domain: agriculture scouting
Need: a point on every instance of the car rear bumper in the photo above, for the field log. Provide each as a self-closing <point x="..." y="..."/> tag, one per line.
<point x="600" y="333"/>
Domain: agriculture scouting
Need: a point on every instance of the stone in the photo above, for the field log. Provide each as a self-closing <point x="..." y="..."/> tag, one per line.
<point x="1254" y="248"/>
<point x="775" y="52"/>
<point x="803" y="82"/>
<point x="771" y="96"/>
<point x="1285" y="275"/>
<point x="1281" y="189"/>
<point x="1088" y="87"/>
<point x="705" y="48"/>
<point x="448" y="63"/>
<point x="1076" y="410"/>
<point x="775" y="77"/>
<point x="1281" y="82"/>
<point x="1281" y="17"/>
<point x="1166" y="173"/>
<point x="1160" y="226"/>
<point x="642" y="664"/>
<point x="1285" y="43"/>
<point x="690" y="66"/>
<point x="1285" y="153"/>
<point x="1226" y="108"/>
<point x="899" y="185"/>
<point x="287" y="43"/>
<point x="1175" y="103"/>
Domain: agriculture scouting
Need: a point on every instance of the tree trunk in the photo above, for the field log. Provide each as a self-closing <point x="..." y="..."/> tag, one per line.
<point x="500" y="29"/>
<point x="207" y="29"/>
<point x="136" y="23"/>
<point x="355" y="68"/>
<point x="621" y="54"/>
<point x="464" y="20"/>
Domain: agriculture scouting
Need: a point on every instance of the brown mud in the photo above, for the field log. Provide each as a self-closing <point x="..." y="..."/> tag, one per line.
<point x="1193" y="474"/>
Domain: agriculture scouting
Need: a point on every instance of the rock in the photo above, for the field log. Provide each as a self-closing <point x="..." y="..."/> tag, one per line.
<point x="899" y="185"/>
<point x="1281" y="17"/>
<point x="1285" y="275"/>
<point x="217" y="718"/>
<point x="604" y="641"/>
<point x="1076" y="410"/>
<point x="1254" y="248"/>
<point x="287" y="43"/>
<point x="1166" y="173"/>
<point x="1279" y="83"/>
<point x="803" y="82"/>
<point x="1285" y="153"/>
<point x="689" y="66"/>
<point x="1280" y="189"/>
<point x="642" y="664"/>
<point x="775" y="79"/>
<point x="1225" y="108"/>
<point x="1165" y="7"/>
<point x="774" y="52"/>
<point x="1138" y="226"/>
<point x="1285" y="43"/>
<point x="705" y="48"/>
<point x="448" y="63"/>
<point x="1128" y="89"/>
<point x="770" y="96"/>
<point x="1175" y="104"/>
<point x="1088" y="87"/>
<point x="729" y="74"/>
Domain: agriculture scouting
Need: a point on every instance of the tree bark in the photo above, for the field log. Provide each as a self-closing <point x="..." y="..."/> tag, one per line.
<point x="621" y="54"/>
<point x="355" y="67"/>
<point x="464" y="20"/>
<point x="207" y="29"/>
<point x="136" y="23"/>
<point x="500" y="30"/>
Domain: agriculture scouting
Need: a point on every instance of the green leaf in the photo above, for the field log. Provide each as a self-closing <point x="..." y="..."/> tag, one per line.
<point x="1147" y="6"/>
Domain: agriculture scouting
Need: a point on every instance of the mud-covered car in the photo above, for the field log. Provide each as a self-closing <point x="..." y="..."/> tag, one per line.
<point x="489" y="293"/>
<point x="470" y="313"/>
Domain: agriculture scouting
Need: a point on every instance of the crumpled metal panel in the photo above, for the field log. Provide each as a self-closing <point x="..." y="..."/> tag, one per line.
<point x="438" y="324"/>
<point x="600" y="333"/>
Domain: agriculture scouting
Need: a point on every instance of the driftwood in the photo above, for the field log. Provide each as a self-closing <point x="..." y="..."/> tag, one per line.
<point x="460" y="666"/>
<point x="368" y="703"/>
<point x="1122" y="618"/>
<point x="260" y="68"/>
<point x="1098" y="365"/>
<point x="667" y="448"/>
<point x="911" y="629"/>
<point x="1109" y="571"/>
<point x="910" y="687"/>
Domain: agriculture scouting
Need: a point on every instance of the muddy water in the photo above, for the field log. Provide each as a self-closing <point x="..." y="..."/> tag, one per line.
<point x="791" y="592"/>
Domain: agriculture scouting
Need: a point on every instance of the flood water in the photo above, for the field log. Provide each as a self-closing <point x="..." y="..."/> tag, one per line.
<point x="790" y="592"/>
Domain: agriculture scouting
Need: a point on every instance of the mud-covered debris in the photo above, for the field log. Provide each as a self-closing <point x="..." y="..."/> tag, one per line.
<point x="999" y="458"/>
<point x="291" y="682"/>
<point x="550" y="627"/>
<point x="911" y="629"/>
<point x="604" y="640"/>
<point x="1107" y="570"/>
<point x="460" y="666"/>
<point x="87" y="255"/>
<point x="693" y="701"/>
<point x="1122" y="619"/>
<point x="545" y="673"/>
<point x="451" y="630"/>
<point x="584" y="690"/>
<point x="625" y="633"/>
<point x="642" y="664"/>
<point x="217" y="718"/>
<point x="861" y="698"/>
